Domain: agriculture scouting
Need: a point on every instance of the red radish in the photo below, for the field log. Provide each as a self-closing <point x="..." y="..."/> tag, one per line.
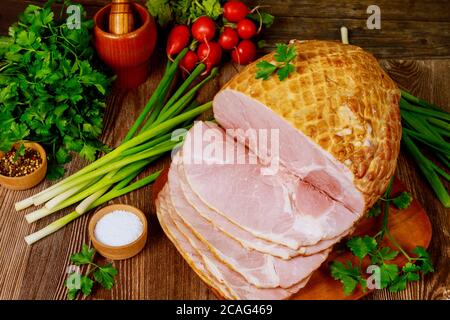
<point x="189" y="61"/>
<point x="178" y="40"/>
<point x="246" y="29"/>
<point x="210" y="54"/>
<point x="235" y="11"/>
<point x="204" y="29"/>
<point x="244" y="53"/>
<point x="228" y="39"/>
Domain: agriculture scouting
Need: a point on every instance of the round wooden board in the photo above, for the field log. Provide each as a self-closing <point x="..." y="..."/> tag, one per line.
<point x="410" y="227"/>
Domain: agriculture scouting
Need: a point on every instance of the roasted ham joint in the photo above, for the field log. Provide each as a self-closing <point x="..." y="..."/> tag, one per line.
<point x="255" y="201"/>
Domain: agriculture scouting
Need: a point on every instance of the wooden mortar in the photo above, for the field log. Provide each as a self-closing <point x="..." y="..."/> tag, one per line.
<point x="126" y="54"/>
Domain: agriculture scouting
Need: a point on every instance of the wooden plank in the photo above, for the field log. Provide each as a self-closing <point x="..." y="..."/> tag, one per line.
<point x="419" y="29"/>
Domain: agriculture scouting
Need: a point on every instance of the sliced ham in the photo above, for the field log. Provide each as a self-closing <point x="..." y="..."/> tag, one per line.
<point x="261" y="270"/>
<point x="245" y="238"/>
<point x="297" y="214"/>
<point x="227" y="282"/>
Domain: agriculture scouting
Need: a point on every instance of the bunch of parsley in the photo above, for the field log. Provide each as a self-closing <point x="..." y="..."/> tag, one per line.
<point x="391" y="275"/>
<point x="49" y="90"/>
<point x="183" y="11"/>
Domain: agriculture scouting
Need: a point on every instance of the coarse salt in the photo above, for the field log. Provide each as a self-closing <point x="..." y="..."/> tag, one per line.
<point x="118" y="228"/>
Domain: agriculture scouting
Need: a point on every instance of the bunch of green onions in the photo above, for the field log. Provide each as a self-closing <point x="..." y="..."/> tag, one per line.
<point x="151" y="136"/>
<point x="427" y="125"/>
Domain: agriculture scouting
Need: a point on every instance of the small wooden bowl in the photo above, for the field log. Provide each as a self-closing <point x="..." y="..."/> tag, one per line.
<point x="30" y="180"/>
<point x="118" y="252"/>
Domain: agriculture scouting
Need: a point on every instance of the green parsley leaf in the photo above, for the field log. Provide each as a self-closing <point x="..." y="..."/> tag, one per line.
<point x="105" y="275"/>
<point x="72" y="293"/>
<point x="264" y="69"/>
<point x="403" y="201"/>
<point x="425" y="263"/>
<point x="86" y="285"/>
<point x="284" y="71"/>
<point x="283" y="56"/>
<point x="86" y="256"/>
<point x="62" y="156"/>
<point x="362" y="246"/>
<point x="285" y="53"/>
<point x="387" y="253"/>
<point x="88" y="152"/>
<point x="349" y="275"/>
<point x="375" y="211"/>
<point x="388" y="273"/>
<point x="398" y="284"/>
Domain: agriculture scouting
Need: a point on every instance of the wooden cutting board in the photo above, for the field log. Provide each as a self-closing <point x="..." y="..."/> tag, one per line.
<point x="410" y="227"/>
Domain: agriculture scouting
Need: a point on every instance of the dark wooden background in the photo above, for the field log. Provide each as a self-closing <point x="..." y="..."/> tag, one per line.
<point x="413" y="45"/>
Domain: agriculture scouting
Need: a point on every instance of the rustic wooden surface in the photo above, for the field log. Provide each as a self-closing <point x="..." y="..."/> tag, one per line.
<point x="419" y="40"/>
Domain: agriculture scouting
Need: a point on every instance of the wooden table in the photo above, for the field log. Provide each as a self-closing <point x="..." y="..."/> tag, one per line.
<point x="413" y="45"/>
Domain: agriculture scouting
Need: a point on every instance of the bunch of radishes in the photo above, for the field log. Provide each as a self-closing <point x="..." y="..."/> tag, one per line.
<point x="205" y="47"/>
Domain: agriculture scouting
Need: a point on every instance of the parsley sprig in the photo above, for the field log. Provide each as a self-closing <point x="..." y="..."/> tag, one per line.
<point x="104" y="275"/>
<point x="283" y="66"/>
<point x="391" y="276"/>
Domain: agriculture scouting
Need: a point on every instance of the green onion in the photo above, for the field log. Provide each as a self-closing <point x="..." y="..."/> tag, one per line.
<point x="427" y="124"/>
<point x="428" y="171"/>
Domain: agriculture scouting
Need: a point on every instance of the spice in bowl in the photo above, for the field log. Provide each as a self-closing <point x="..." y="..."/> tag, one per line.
<point x="118" y="228"/>
<point x="20" y="161"/>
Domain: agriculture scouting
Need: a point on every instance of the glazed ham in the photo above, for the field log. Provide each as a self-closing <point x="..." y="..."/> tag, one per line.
<point x="255" y="215"/>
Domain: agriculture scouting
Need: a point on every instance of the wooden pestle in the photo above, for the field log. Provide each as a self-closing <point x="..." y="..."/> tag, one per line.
<point x="121" y="19"/>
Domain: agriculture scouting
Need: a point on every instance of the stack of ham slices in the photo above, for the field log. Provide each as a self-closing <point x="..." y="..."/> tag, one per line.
<point x="254" y="220"/>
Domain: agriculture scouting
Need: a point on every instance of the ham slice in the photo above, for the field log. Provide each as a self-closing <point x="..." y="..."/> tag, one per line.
<point x="303" y="215"/>
<point x="227" y="282"/>
<point x="261" y="270"/>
